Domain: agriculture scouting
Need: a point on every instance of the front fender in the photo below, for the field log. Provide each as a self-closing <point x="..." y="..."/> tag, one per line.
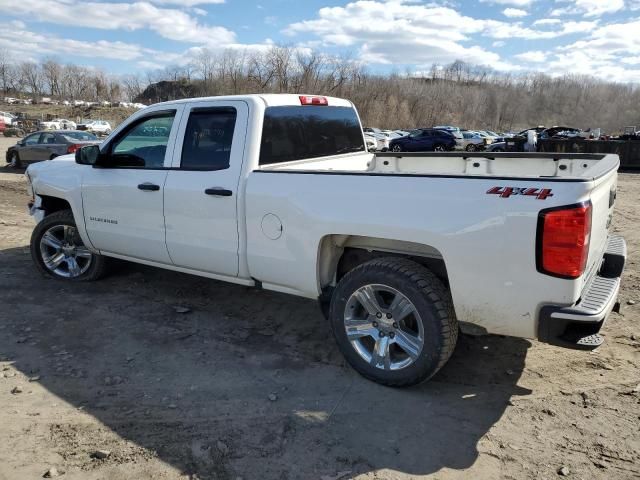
<point x="59" y="178"/>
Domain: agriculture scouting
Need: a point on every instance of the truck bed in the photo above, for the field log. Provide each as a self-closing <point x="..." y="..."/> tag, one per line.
<point x="550" y="166"/>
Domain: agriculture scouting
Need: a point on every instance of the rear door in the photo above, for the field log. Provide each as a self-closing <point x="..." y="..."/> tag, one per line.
<point x="201" y="192"/>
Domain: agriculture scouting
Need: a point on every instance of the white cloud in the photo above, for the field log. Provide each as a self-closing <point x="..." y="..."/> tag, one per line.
<point x="186" y="3"/>
<point x="395" y="30"/>
<point x="546" y="21"/>
<point x="169" y="23"/>
<point x="588" y="8"/>
<point x="504" y="30"/>
<point x="535" y="56"/>
<point x="43" y="44"/>
<point x="516" y="3"/>
<point x="514" y="12"/>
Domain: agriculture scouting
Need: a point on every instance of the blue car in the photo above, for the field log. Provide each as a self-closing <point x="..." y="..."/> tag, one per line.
<point x="424" y="140"/>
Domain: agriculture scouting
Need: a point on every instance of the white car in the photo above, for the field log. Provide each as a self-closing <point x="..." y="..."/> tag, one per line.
<point x="58" y="124"/>
<point x="8" y="118"/>
<point x="99" y="127"/>
<point x="400" y="249"/>
<point x="470" y="141"/>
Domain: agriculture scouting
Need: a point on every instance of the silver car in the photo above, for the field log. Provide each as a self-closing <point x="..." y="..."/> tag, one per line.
<point x="48" y="145"/>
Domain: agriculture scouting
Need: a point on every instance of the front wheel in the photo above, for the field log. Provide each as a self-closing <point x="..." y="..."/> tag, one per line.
<point x="396" y="148"/>
<point x="14" y="160"/>
<point x="471" y="148"/>
<point x="439" y="148"/>
<point x="393" y="321"/>
<point x="58" y="251"/>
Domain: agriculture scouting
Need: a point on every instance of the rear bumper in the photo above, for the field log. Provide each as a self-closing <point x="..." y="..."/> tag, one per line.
<point x="577" y="326"/>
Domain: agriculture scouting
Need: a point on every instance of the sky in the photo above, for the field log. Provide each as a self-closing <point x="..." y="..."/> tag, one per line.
<point x="593" y="37"/>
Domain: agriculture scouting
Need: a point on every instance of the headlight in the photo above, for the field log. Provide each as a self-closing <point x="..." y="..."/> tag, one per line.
<point x="29" y="186"/>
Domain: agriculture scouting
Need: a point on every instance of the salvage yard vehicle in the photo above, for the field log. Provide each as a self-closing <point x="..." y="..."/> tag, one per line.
<point x="47" y="145"/>
<point x="58" y="124"/>
<point x="99" y="127"/>
<point x="424" y="140"/>
<point x="400" y="249"/>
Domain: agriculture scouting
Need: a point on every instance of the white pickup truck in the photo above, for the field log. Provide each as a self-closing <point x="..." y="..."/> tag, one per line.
<point x="402" y="250"/>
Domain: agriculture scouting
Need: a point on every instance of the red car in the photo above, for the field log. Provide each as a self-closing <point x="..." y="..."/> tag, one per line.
<point x="2" y="126"/>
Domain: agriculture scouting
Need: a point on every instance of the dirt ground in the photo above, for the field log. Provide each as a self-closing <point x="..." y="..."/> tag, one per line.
<point x="249" y="384"/>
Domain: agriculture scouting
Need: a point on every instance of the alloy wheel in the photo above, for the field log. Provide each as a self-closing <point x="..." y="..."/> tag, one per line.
<point x="384" y="327"/>
<point x="63" y="252"/>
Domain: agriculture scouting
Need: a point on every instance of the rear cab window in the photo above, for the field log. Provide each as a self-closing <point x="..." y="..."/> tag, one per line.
<point x="311" y="131"/>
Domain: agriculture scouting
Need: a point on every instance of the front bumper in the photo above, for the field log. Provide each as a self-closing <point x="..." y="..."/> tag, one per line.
<point x="578" y="326"/>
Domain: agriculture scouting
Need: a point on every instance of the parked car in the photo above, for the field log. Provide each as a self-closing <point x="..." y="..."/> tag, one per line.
<point x="470" y="141"/>
<point x="401" y="250"/>
<point x="48" y="145"/>
<point x="3" y="125"/>
<point x="58" y="124"/>
<point x="8" y="118"/>
<point x="559" y="132"/>
<point x="448" y="128"/>
<point x="371" y="142"/>
<point x="496" y="147"/>
<point x="424" y="140"/>
<point x="381" y="137"/>
<point x="99" y="127"/>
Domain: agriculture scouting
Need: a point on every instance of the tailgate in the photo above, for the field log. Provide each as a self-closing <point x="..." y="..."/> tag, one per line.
<point x="602" y="198"/>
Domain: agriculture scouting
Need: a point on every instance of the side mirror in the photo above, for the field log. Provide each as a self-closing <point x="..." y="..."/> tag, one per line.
<point x="88" y="155"/>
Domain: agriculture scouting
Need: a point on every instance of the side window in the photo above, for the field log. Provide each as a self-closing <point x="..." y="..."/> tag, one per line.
<point x="32" y="139"/>
<point x="144" y="144"/>
<point x="47" y="138"/>
<point x="207" y="139"/>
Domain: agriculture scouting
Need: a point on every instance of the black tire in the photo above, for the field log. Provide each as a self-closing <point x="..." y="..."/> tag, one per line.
<point x="438" y="147"/>
<point x="498" y="150"/>
<point x="14" y="160"/>
<point x="470" y="148"/>
<point x="52" y="156"/>
<point x="98" y="265"/>
<point x="432" y="301"/>
<point x="396" y="148"/>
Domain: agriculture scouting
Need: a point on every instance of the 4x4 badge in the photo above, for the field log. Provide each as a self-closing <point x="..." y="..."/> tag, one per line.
<point x="506" y="192"/>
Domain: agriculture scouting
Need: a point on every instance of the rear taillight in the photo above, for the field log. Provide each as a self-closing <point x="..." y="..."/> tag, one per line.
<point x="310" y="100"/>
<point x="72" y="148"/>
<point x="562" y="242"/>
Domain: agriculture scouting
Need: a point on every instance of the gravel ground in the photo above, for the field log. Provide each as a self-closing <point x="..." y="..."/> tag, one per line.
<point x="108" y="381"/>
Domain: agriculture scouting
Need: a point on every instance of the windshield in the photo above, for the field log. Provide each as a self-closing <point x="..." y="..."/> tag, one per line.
<point x="85" y="136"/>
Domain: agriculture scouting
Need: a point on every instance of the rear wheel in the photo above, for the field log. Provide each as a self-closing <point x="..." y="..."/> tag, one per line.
<point x="396" y="148"/>
<point x="58" y="251"/>
<point x="439" y="148"/>
<point x="470" y="148"/>
<point x="394" y="322"/>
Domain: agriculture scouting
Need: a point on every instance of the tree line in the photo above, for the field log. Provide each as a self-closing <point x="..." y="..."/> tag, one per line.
<point x="455" y="94"/>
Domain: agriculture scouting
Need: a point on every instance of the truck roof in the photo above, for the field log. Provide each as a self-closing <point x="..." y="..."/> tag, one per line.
<point x="270" y="99"/>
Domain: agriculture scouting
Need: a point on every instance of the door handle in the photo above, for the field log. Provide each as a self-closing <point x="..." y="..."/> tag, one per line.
<point x="149" y="187"/>
<point x="220" y="192"/>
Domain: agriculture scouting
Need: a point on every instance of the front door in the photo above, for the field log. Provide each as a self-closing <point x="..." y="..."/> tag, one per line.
<point x="123" y="195"/>
<point x="201" y="193"/>
<point x="29" y="149"/>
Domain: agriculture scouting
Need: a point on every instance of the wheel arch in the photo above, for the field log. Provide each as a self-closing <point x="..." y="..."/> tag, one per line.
<point x="340" y="253"/>
<point x="50" y="204"/>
